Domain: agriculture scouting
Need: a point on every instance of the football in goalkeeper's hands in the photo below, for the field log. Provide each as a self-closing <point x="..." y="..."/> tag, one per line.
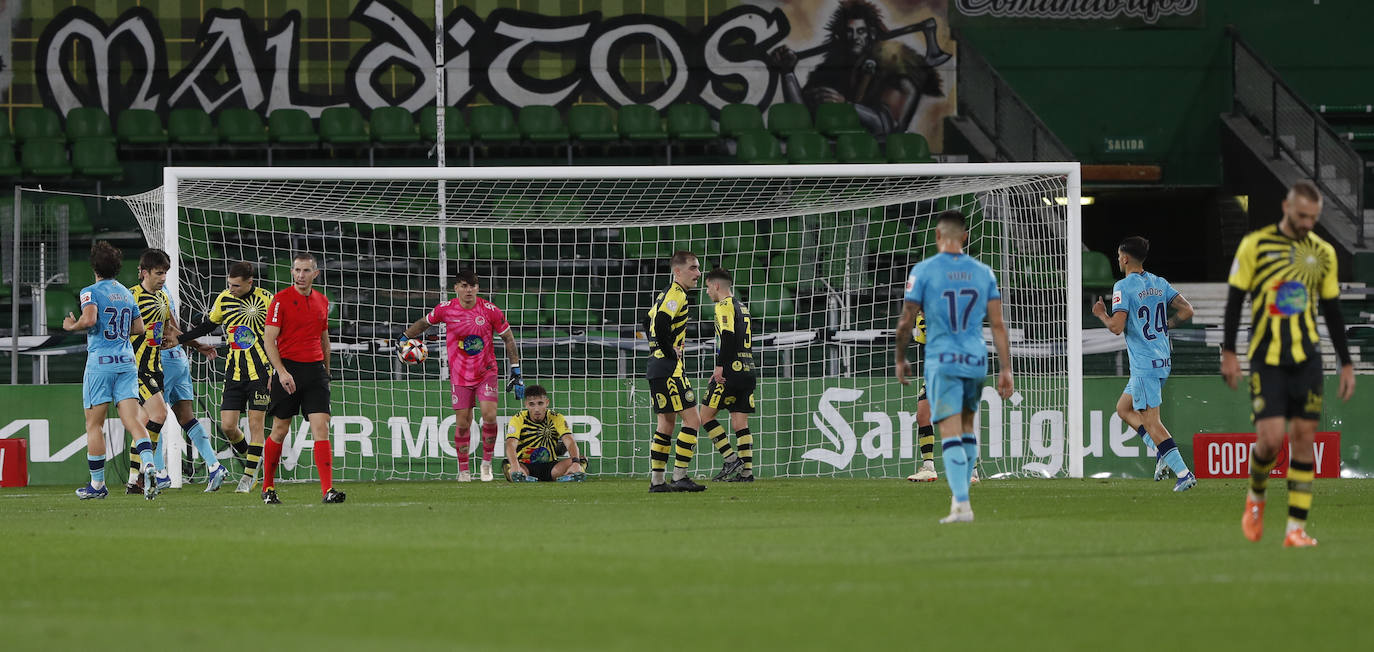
<point x="412" y="352"/>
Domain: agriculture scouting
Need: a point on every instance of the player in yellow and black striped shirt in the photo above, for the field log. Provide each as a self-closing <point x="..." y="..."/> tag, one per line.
<point x="1287" y="271"/>
<point x="732" y="381"/>
<point x="242" y="309"/>
<point x="925" y="430"/>
<point x="535" y="439"/>
<point x="154" y="307"/>
<point x="668" y="386"/>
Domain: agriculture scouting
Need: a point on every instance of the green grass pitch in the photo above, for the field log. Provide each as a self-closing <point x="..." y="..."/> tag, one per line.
<point x="815" y="564"/>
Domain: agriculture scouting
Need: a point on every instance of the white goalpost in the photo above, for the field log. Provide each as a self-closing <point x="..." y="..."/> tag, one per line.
<point x="574" y="255"/>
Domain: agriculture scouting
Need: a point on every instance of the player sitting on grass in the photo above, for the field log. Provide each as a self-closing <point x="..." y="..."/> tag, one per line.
<point x="536" y="437"/>
<point x="1139" y="304"/>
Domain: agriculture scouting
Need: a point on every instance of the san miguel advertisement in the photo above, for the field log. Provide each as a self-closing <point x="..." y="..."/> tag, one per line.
<point x="855" y="427"/>
<point x="892" y="59"/>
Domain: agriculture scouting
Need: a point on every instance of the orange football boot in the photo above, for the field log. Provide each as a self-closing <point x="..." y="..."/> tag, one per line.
<point x="1252" y="523"/>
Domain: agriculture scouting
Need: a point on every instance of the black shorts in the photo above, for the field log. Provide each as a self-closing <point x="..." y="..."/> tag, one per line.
<point x="1292" y="392"/>
<point x="312" y="391"/>
<point x="149" y="385"/>
<point x="541" y="470"/>
<point x="245" y="394"/>
<point x="736" y="395"/>
<point x="672" y="395"/>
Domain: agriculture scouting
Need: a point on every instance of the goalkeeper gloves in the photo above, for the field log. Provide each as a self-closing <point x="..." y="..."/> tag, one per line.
<point x="401" y="339"/>
<point x="517" y="384"/>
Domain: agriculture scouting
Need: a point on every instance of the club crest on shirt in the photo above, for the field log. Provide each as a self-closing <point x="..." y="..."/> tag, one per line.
<point x="480" y="320"/>
<point x="242" y="338"/>
<point x="472" y="344"/>
<point x="1290" y="298"/>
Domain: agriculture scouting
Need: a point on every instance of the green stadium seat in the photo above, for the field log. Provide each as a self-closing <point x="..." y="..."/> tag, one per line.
<point x="87" y="123"/>
<point x="393" y="125"/>
<point x="646" y="243"/>
<point x="74" y="208"/>
<point x="858" y="148"/>
<point x="455" y="130"/>
<point x="592" y="123"/>
<point x="758" y="148"/>
<point x="789" y="268"/>
<point x="191" y="127"/>
<point x="908" y="148"/>
<point x="493" y="123"/>
<point x="494" y="244"/>
<point x="706" y="306"/>
<point x="343" y="125"/>
<point x="891" y="237"/>
<point x="9" y="165"/>
<point x="739" y="237"/>
<point x="6" y="136"/>
<point x="523" y="308"/>
<point x="773" y="303"/>
<point x="787" y="234"/>
<point x="96" y="158"/>
<point x="835" y="119"/>
<point x="241" y="127"/>
<point x="291" y="127"/>
<point x="140" y="127"/>
<point x="746" y="269"/>
<point x="808" y="147"/>
<point x="542" y="124"/>
<point x="38" y="123"/>
<point x="1097" y="271"/>
<point x="79" y="272"/>
<point x="788" y="118"/>
<point x="695" y="238"/>
<point x="739" y="119"/>
<point x="641" y="122"/>
<point x="46" y="158"/>
<point x="572" y="308"/>
<point x="690" y="122"/>
<point x="57" y="304"/>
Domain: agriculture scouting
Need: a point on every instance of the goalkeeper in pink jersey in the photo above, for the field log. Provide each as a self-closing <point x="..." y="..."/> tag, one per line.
<point x="471" y="322"/>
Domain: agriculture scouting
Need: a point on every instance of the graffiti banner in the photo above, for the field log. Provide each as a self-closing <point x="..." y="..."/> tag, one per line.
<point x="1082" y="14"/>
<point x="891" y="59"/>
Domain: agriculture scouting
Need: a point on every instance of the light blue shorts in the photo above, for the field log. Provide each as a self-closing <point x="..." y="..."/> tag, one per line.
<point x="1145" y="391"/>
<point x="176" y="384"/>
<point x="108" y="387"/>
<point x="951" y="395"/>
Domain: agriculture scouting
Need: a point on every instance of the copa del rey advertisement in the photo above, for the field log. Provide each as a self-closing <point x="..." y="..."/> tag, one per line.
<point x="1227" y="455"/>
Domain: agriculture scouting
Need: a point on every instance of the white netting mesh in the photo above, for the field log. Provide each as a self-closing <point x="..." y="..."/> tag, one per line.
<point x="820" y="262"/>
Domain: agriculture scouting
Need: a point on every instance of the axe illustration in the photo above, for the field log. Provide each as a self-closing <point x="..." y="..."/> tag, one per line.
<point x="934" y="55"/>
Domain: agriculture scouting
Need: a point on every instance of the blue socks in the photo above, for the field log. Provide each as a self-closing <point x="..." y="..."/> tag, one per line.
<point x="956" y="467"/>
<point x="970" y="443"/>
<point x="1168" y="451"/>
<point x="144" y="449"/>
<point x="97" y="466"/>
<point x="201" y="441"/>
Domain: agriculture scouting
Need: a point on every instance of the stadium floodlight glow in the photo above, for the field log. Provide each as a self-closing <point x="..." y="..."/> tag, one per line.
<point x="574" y="256"/>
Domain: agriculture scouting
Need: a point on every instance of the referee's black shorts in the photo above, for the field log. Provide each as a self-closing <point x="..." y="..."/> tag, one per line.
<point x="312" y="390"/>
<point x="1291" y="391"/>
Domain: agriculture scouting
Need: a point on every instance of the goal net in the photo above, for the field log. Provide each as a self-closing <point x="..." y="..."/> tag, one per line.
<point x="575" y="255"/>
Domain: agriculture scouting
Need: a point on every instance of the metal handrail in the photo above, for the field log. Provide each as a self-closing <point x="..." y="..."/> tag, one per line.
<point x="991" y="103"/>
<point x="1266" y="116"/>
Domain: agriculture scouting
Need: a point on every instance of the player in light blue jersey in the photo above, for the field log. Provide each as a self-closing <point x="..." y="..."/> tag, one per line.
<point x="180" y="394"/>
<point x="1140" y="305"/>
<point x="109" y="315"/>
<point x="956" y="293"/>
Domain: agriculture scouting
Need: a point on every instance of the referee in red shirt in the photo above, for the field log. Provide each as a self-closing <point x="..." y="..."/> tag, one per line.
<point x="297" y="343"/>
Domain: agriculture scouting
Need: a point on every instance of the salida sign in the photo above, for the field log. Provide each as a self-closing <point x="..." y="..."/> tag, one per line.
<point x="739" y="56"/>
